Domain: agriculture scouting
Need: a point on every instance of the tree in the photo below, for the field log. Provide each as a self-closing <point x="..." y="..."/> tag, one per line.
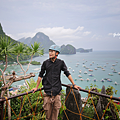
<point x="23" y="49"/>
<point x="5" y="49"/>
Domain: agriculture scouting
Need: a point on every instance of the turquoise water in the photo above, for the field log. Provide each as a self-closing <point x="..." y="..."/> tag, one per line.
<point x="91" y="60"/>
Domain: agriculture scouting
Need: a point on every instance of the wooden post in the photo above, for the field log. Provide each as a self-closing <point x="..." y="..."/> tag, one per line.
<point x="1" y="110"/>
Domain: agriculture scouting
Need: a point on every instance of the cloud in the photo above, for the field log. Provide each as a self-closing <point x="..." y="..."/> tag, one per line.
<point x="56" y="33"/>
<point x="86" y="33"/>
<point x="110" y="34"/>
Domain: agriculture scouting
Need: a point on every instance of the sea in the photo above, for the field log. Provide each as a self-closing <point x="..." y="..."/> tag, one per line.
<point x="99" y="66"/>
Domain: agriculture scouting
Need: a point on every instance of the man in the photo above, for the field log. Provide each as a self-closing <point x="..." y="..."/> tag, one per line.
<point x="50" y="72"/>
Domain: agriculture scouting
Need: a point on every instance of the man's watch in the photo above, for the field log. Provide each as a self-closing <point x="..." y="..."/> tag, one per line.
<point x="74" y="85"/>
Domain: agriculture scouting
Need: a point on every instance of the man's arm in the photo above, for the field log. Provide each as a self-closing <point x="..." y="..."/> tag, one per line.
<point x="72" y="81"/>
<point x="38" y="82"/>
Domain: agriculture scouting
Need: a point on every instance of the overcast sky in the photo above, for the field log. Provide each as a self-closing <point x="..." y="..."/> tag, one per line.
<point x="81" y="23"/>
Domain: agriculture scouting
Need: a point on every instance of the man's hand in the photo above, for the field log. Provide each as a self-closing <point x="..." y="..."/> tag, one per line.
<point x="77" y="87"/>
<point x="34" y="89"/>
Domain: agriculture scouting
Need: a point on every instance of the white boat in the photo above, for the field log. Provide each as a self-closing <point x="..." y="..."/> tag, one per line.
<point x="116" y="83"/>
<point x="63" y="74"/>
<point x="75" y="79"/>
<point x="85" y="72"/>
<point x="103" y="69"/>
<point x="69" y="68"/>
<point x="88" y="79"/>
<point x="118" y="73"/>
<point x="95" y="68"/>
<point x="114" y="71"/>
<point x="36" y="69"/>
<point x="84" y="66"/>
<point x="80" y="71"/>
<point x="81" y="79"/>
<point x="79" y="76"/>
<point x="110" y="74"/>
<point x="73" y="71"/>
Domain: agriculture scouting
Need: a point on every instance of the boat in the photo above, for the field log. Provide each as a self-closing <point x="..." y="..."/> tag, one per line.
<point x="85" y="72"/>
<point x="106" y="78"/>
<point x="36" y="69"/>
<point x="113" y="64"/>
<point x="114" y="71"/>
<point x="88" y="79"/>
<point x="63" y="74"/>
<point x="94" y="80"/>
<point x="95" y="68"/>
<point x="75" y="79"/>
<point x="109" y="80"/>
<point x="90" y="70"/>
<point x="118" y="73"/>
<point x="112" y="68"/>
<point x="73" y="71"/>
<point x="84" y="66"/>
<point x="79" y="76"/>
<point x="98" y="66"/>
<point x="80" y="71"/>
<point x="90" y="75"/>
<point x="69" y="68"/>
<point x="116" y="83"/>
<point x="110" y="74"/>
<point x="103" y="69"/>
<point x="81" y="79"/>
<point x="102" y="80"/>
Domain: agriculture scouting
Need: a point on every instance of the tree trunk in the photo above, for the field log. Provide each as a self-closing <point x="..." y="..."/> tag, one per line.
<point x="9" y="110"/>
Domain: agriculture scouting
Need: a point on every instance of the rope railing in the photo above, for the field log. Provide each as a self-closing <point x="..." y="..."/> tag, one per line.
<point x="2" y="99"/>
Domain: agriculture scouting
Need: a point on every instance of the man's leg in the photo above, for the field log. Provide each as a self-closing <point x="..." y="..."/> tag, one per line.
<point x="56" y="107"/>
<point x="47" y="107"/>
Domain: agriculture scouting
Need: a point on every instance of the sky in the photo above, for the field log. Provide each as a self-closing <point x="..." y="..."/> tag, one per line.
<point x="82" y="23"/>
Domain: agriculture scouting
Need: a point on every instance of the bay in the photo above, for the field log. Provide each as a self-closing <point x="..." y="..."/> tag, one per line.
<point x="108" y="60"/>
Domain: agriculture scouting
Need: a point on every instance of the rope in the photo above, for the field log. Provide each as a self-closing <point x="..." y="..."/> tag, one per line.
<point x="64" y="104"/>
<point x="22" y="107"/>
<point x="80" y="113"/>
<point x="95" y="108"/>
<point x="10" y="106"/>
<point x="106" y="109"/>
<point x="76" y="103"/>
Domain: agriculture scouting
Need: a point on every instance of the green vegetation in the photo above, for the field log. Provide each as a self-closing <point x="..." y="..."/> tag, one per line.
<point x="35" y="100"/>
<point x="68" y="49"/>
<point x="109" y="91"/>
<point x="33" y="63"/>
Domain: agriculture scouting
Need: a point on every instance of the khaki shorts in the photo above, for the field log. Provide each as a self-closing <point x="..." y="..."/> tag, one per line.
<point x="51" y="106"/>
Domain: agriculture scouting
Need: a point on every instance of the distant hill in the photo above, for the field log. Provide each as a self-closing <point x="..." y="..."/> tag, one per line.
<point x="81" y="50"/>
<point x="68" y="49"/>
<point x="40" y="37"/>
<point x="2" y="33"/>
<point x="14" y="57"/>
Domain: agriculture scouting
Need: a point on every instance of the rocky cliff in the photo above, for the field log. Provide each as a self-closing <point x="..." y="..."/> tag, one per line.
<point x="68" y="49"/>
<point x="40" y="37"/>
